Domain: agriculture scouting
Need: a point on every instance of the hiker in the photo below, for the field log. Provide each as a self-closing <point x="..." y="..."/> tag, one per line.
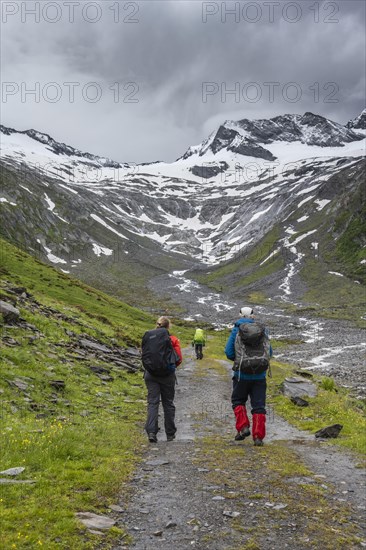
<point x="198" y="342"/>
<point x="249" y="347"/>
<point x="161" y="354"/>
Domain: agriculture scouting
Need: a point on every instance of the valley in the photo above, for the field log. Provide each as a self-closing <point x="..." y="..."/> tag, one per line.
<point x="196" y="166"/>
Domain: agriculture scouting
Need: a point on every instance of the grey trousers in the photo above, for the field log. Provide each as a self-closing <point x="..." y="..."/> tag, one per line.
<point x="163" y="387"/>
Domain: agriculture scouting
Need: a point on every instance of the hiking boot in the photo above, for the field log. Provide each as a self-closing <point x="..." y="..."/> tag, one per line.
<point x="242" y="434"/>
<point x="258" y="442"/>
<point x="170" y="437"/>
<point x="152" y="438"/>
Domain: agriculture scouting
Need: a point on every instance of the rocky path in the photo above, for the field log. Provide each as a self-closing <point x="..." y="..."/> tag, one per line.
<point x="206" y="491"/>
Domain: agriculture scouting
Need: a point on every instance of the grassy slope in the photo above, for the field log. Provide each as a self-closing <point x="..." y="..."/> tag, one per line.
<point x="86" y="440"/>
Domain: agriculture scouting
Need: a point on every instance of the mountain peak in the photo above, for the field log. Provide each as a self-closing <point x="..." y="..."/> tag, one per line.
<point x="61" y="148"/>
<point x="358" y="123"/>
<point x="248" y="137"/>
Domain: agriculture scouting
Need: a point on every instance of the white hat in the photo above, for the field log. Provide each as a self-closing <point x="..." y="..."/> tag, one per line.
<point x="246" y="311"/>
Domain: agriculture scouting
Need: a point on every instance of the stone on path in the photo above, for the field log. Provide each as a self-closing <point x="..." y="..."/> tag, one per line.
<point x="231" y="514"/>
<point x="298" y="387"/>
<point x="329" y="431"/>
<point x="94" y="521"/>
<point x="157" y="462"/>
<point x="170" y="524"/>
<point x="299" y="401"/>
<point x="116" y="508"/>
<point x="279" y="506"/>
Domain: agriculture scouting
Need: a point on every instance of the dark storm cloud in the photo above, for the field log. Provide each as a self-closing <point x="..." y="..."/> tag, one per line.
<point x="163" y="63"/>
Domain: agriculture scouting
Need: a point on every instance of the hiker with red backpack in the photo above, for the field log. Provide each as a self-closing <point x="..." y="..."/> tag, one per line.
<point x="249" y="347"/>
<point x="161" y="354"/>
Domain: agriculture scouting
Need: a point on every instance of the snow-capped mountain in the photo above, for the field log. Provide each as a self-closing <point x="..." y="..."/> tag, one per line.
<point x="217" y="201"/>
<point x="60" y="149"/>
<point x="247" y="137"/>
<point x="358" y="123"/>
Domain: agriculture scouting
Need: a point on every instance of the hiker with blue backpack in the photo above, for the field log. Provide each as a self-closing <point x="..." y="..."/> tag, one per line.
<point x="161" y="354"/>
<point x="198" y="342"/>
<point x="249" y="347"/>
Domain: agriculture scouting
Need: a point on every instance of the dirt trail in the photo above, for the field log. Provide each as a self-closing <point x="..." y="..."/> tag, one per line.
<point x="182" y="489"/>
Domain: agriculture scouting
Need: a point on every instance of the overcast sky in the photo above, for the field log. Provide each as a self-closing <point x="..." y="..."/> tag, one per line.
<point x="142" y="81"/>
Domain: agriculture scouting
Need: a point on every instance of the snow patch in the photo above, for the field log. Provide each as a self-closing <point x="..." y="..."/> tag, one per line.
<point x="304" y="201"/>
<point x="271" y="255"/>
<point x="59" y="217"/>
<point x="302" y="237"/>
<point x="52" y="257"/>
<point x="98" y="250"/>
<point x="51" y="204"/>
<point x="26" y="188"/>
<point x="258" y="215"/>
<point x="2" y="199"/>
<point x="68" y="189"/>
<point x="306" y="191"/>
<point x="321" y="203"/>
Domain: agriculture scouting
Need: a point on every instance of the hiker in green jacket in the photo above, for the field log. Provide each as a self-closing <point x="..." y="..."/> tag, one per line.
<point x="198" y="342"/>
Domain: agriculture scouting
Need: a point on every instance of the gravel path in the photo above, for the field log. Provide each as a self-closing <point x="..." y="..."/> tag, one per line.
<point x="182" y="489"/>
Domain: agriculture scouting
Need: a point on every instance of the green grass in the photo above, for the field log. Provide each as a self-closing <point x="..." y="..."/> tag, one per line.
<point x="80" y="445"/>
<point x="328" y="384"/>
<point x="328" y="407"/>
